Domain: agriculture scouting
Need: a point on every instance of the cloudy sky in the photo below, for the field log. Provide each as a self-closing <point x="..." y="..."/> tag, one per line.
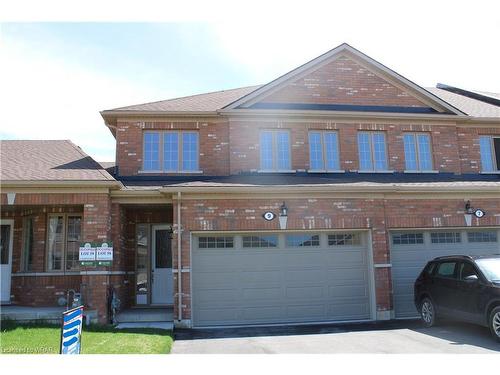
<point x="57" y="76"/>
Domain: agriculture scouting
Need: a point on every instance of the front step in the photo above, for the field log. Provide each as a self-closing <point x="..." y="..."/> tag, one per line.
<point x="143" y="315"/>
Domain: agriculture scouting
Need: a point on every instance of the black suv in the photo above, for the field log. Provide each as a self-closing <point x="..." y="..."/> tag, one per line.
<point x="465" y="288"/>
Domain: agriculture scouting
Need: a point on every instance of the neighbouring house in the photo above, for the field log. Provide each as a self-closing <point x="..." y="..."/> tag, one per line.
<point x="317" y="197"/>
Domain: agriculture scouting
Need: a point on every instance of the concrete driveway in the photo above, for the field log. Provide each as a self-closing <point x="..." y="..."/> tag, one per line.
<point x="387" y="337"/>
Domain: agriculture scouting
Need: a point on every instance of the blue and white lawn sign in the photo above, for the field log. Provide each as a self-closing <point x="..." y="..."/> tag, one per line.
<point x="71" y="332"/>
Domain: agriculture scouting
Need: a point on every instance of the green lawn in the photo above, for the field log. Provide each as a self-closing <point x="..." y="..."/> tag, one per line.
<point x="44" y="339"/>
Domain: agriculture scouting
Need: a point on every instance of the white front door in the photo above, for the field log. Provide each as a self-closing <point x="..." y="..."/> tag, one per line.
<point x="6" y="240"/>
<point x="162" y="282"/>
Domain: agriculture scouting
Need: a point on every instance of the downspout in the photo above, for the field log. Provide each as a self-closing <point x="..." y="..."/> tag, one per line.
<point x="179" y="258"/>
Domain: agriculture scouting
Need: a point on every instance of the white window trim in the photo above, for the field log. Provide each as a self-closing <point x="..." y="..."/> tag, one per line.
<point x="493" y="154"/>
<point x="161" y="151"/>
<point x="417" y="153"/>
<point x="323" y="149"/>
<point x="275" y="149"/>
<point x="372" y="152"/>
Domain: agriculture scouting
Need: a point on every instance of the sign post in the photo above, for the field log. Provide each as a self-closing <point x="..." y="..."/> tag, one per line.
<point x="71" y="331"/>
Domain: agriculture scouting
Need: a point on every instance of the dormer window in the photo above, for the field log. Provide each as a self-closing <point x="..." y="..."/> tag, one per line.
<point x="490" y="154"/>
<point x="171" y="152"/>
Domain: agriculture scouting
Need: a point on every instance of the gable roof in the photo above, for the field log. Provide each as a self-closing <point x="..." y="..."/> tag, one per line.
<point x="48" y="160"/>
<point x="213" y="102"/>
<point x="346" y="50"/>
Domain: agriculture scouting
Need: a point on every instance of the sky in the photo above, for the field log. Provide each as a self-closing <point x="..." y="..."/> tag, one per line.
<point x="57" y="76"/>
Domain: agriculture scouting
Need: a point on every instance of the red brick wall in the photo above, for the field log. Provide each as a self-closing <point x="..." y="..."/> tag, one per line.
<point x="213" y="138"/>
<point x="343" y="81"/>
<point x="376" y="215"/>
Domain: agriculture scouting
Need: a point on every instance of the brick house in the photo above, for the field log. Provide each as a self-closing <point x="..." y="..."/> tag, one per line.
<point x="316" y="197"/>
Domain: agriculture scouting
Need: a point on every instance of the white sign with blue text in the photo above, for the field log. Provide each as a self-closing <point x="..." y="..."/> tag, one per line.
<point x="71" y="331"/>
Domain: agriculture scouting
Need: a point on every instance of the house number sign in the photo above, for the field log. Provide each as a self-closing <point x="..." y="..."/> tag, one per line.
<point x="479" y="213"/>
<point x="269" y="215"/>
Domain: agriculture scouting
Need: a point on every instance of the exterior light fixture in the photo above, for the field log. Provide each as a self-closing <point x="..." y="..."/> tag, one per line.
<point x="283" y="216"/>
<point x="468" y="214"/>
<point x="469" y="211"/>
<point x="11" y="197"/>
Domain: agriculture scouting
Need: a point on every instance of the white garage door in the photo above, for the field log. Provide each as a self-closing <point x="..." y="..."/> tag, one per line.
<point x="279" y="278"/>
<point x="410" y="251"/>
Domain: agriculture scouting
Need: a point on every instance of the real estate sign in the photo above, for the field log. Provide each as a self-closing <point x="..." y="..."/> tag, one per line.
<point x="71" y="331"/>
<point x="86" y="254"/>
<point x="104" y="254"/>
<point x="96" y="252"/>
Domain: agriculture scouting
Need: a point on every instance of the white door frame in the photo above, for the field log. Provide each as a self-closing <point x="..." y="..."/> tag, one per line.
<point x="169" y="292"/>
<point x="9" y="222"/>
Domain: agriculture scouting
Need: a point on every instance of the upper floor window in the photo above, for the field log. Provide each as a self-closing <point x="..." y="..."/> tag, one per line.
<point x="171" y="151"/>
<point x="323" y="151"/>
<point x="418" y="155"/>
<point x="275" y="150"/>
<point x="372" y="151"/>
<point x="490" y="153"/>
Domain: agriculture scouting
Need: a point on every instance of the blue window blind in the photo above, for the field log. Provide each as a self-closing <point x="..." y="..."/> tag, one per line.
<point x="316" y="151"/>
<point x="379" y="154"/>
<point x="372" y="151"/>
<point x="151" y="151"/>
<point x="418" y="156"/>
<point x="365" y="152"/>
<point x="486" y="154"/>
<point x="266" y="150"/>
<point x="274" y="150"/>
<point x="190" y="151"/>
<point x="323" y="151"/>
<point x="332" y="159"/>
<point x="424" y="152"/>
<point x="170" y="151"/>
<point x="283" y="152"/>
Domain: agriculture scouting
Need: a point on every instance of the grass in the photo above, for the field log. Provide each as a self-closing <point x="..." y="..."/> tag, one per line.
<point x="44" y="339"/>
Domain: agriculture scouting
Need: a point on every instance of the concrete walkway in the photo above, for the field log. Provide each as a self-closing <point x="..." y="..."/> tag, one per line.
<point x="398" y="337"/>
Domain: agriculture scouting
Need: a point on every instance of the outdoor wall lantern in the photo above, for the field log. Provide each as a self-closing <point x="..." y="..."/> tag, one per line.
<point x="469" y="211"/>
<point x="283" y="216"/>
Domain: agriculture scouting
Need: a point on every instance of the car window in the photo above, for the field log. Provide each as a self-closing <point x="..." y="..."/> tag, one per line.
<point x="466" y="269"/>
<point x="429" y="269"/>
<point x="447" y="270"/>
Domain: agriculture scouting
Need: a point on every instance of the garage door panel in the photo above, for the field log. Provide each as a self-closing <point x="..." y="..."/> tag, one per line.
<point x="347" y="310"/>
<point x="279" y="285"/>
<point x="264" y="293"/>
<point x="409" y="260"/>
<point x="311" y="292"/>
<point x="301" y="276"/>
<point x="307" y="310"/>
<point x="225" y="295"/>
<point x="347" y="291"/>
<point x="352" y="258"/>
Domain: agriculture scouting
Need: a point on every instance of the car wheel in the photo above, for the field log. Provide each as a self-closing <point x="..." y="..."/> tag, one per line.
<point x="495" y="323"/>
<point x="428" y="312"/>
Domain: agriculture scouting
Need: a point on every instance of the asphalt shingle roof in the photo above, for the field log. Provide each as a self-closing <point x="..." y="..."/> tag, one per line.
<point x="472" y="107"/>
<point x="209" y="102"/>
<point x="213" y="101"/>
<point x="44" y="160"/>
